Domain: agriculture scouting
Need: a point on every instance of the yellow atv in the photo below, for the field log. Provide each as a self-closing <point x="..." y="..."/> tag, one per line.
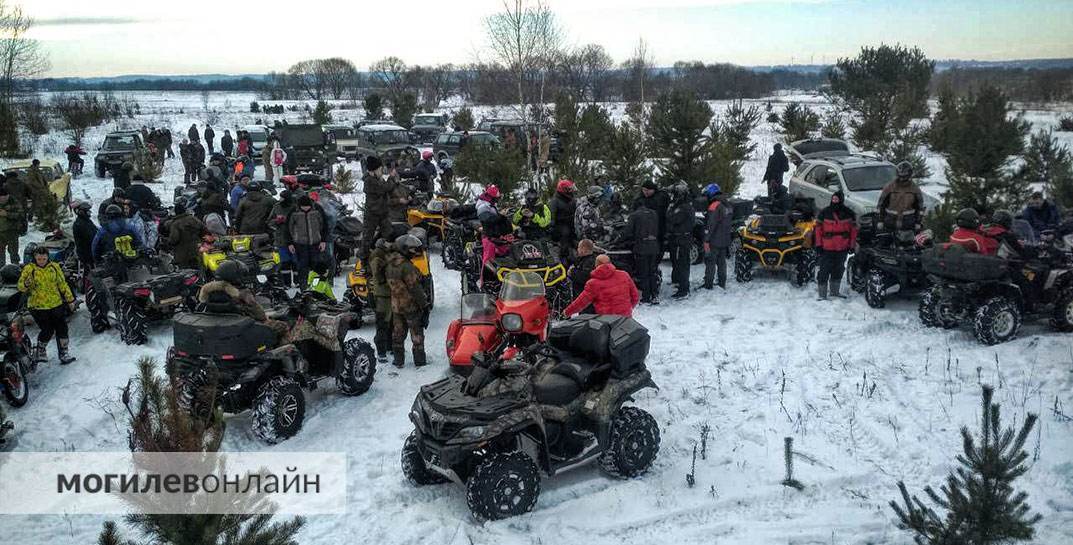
<point x="432" y="217"/>
<point x="256" y="252"/>
<point x="357" y="284"/>
<point x="777" y="242"/>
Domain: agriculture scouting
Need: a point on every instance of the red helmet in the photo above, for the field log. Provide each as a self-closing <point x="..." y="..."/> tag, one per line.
<point x="492" y="191"/>
<point x="565" y="186"/>
<point x="426" y="155"/>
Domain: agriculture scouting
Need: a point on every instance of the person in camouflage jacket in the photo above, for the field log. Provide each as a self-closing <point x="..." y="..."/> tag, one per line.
<point x="587" y="222"/>
<point x="12" y="225"/>
<point x="409" y="304"/>
<point x="381" y="297"/>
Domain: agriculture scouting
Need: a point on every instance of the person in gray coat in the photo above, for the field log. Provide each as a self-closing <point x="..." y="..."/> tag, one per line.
<point x="717" y="238"/>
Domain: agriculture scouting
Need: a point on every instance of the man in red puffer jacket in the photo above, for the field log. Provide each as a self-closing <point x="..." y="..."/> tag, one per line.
<point x="836" y="234"/>
<point x="609" y="291"/>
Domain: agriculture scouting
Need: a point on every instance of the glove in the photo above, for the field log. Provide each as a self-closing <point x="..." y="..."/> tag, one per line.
<point x="707" y="248"/>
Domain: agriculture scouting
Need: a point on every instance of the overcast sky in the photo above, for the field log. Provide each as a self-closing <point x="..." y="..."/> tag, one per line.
<point x="116" y="37"/>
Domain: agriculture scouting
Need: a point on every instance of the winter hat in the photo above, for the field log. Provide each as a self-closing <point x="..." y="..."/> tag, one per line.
<point x="650" y="184"/>
<point x="426" y="155"/>
<point x="838" y="197"/>
<point x="492" y="192"/>
<point x="373" y="164"/>
<point x="564" y="186"/>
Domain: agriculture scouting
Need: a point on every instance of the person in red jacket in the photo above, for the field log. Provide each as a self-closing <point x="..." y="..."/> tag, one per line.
<point x="835" y="235"/>
<point x="609" y="291"/>
<point x="968" y="235"/>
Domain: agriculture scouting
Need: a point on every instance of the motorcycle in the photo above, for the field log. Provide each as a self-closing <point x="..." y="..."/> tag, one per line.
<point x="15" y="345"/>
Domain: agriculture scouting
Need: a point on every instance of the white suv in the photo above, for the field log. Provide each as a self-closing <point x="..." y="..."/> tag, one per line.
<point x="860" y="177"/>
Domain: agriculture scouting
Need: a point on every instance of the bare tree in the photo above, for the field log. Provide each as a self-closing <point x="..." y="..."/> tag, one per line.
<point x="390" y="74"/>
<point x="20" y="57"/>
<point x="78" y="113"/>
<point x="338" y="75"/>
<point x="436" y="85"/>
<point x="526" y="39"/>
<point x="637" y="69"/>
<point x="595" y="65"/>
<point x="308" y="79"/>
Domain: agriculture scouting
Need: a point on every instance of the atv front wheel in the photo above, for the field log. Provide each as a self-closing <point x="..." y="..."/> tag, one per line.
<point x="97" y="303"/>
<point x="413" y="464"/>
<point x="997" y="321"/>
<point x="1062" y="316"/>
<point x="16" y="389"/>
<point x="359" y="367"/>
<point x="194" y="395"/>
<point x="503" y="485"/>
<point x="279" y="410"/>
<point x="876" y="288"/>
<point x="930" y="311"/>
<point x="632" y="445"/>
<point x="804" y="271"/>
<point x="743" y="267"/>
<point x="132" y="323"/>
<point x="858" y="277"/>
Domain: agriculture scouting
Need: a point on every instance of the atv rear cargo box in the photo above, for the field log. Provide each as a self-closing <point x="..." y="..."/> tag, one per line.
<point x="617" y="340"/>
<point x="218" y="335"/>
<point x="956" y="263"/>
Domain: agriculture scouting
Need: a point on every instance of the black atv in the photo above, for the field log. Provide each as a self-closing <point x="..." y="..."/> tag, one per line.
<point x="348" y="236"/>
<point x="461" y="233"/>
<point x="138" y="290"/>
<point x="887" y="262"/>
<point x="231" y="361"/>
<point x="995" y="293"/>
<point x="15" y="346"/>
<point x="558" y="405"/>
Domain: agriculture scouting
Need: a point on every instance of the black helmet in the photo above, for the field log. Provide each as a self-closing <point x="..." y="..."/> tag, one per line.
<point x="254" y="185"/>
<point x="113" y="211"/>
<point x="10" y="273"/>
<point x="905" y="170"/>
<point x="83" y="208"/>
<point x="595" y="191"/>
<point x="180" y="204"/>
<point x="1003" y="218"/>
<point x="127" y="165"/>
<point x="231" y="271"/>
<point x="408" y="245"/>
<point x="532" y="196"/>
<point x="968" y="218"/>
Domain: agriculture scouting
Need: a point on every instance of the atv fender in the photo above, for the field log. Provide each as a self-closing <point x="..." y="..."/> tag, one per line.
<point x="601" y="406"/>
<point x="527" y="421"/>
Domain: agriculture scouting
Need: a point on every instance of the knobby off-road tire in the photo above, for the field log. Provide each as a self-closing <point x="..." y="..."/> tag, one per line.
<point x="804" y="270"/>
<point x="359" y="367"/>
<point x="876" y="287"/>
<point x="1062" y="315"/>
<point x="413" y="465"/>
<point x="97" y="304"/>
<point x="930" y="313"/>
<point x="279" y="410"/>
<point x="858" y="278"/>
<point x="996" y="321"/>
<point x="132" y="322"/>
<point x="743" y="267"/>
<point x="503" y="485"/>
<point x="632" y="445"/>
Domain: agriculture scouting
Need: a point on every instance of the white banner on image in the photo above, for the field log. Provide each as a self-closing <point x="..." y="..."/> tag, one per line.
<point x="178" y="483"/>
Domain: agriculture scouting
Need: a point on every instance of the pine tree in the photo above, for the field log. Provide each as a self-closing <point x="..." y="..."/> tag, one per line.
<point x="1048" y="165"/>
<point x="675" y="131"/>
<point x="982" y="507"/>
<point x="322" y="113"/>
<point x="833" y="126"/>
<point x="798" y="122"/>
<point x="626" y="159"/>
<point x="463" y="118"/>
<point x="403" y="109"/>
<point x="729" y="145"/>
<point x="374" y="106"/>
<point x="574" y="161"/>
<point x="942" y="124"/>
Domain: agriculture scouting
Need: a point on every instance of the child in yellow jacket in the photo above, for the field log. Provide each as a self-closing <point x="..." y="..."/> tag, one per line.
<point x="49" y="300"/>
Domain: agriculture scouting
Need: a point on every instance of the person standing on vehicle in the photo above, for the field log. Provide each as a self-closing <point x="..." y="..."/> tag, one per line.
<point x="254" y="210"/>
<point x="680" y="221"/>
<point x="279" y="158"/>
<point x="84" y="231"/>
<point x="378" y="195"/>
<point x="654" y="198"/>
<point x="307" y="233"/>
<point x="642" y="230"/>
<point x="533" y="217"/>
<point x="192" y="133"/>
<point x="409" y="303"/>
<point x="1041" y="214"/>
<point x="50" y="300"/>
<point x="777" y="166"/>
<point x="210" y="137"/>
<point x="227" y="144"/>
<point x="717" y="238"/>
<point x="12" y="221"/>
<point x="609" y="291"/>
<point x="563" y="206"/>
<point x="381" y="297"/>
<point x="835" y="235"/>
<point x="184" y="237"/>
<point x="901" y="203"/>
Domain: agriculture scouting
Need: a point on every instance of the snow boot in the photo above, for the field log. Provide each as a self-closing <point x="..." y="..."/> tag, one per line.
<point x="65" y="356"/>
<point x="708" y="286"/>
<point x="835" y="284"/>
<point x="400" y="358"/>
<point x="680" y="294"/>
<point x="39" y="354"/>
<point x="821" y="292"/>
<point x="419" y="358"/>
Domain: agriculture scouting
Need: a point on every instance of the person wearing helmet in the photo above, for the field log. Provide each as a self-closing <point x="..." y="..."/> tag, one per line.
<point x="409" y="304"/>
<point x="486" y="204"/>
<point x="533" y="217"/>
<point x="254" y="211"/>
<point x="563" y="206"/>
<point x="84" y="231"/>
<point x="115" y="225"/>
<point x="9" y="275"/>
<point x="901" y="204"/>
<point x="835" y="234"/>
<point x="49" y="299"/>
<point x="680" y="221"/>
<point x="1000" y="229"/>
<point x="423" y="173"/>
<point x="642" y="235"/>
<point x="228" y="286"/>
<point x="717" y="237"/>
<point x="307" y="236"/>
<point x="968" y="234"/>
<point x="587" y="220"/>
<point x="184" y="237"/>
<point x="12" y="226"/>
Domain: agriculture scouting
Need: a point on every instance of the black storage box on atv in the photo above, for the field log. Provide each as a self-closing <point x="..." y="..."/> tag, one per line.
<point x="236" y="336"/>
<point x="956" y="263"/>
<point x="617" y="340"/>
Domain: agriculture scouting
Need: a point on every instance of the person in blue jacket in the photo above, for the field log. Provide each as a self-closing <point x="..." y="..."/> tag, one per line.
<point x="115" y="225"/>
<point x="1040" y="214"/>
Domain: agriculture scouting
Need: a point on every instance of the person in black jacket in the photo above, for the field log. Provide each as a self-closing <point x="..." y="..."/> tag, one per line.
<point x="227" y="144"/>
<point x="143" y="197"/>
<point x="583" y="265"/>
<point x="562" y="208"/>
<point x="121" y="175"/>
<point x="424" y="173"/>
<point x="210" y="136"/>
<point x="717" y="238"/>
<point x="680" y="219"/>
<point x="777" y="165"/>
<point x="656" y="199"/>
<point x="192" y="134"/>
<point x="642" y="229"/>
<point x="84" y="231"/>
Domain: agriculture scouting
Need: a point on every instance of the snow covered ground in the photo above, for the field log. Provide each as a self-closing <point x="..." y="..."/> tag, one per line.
<point x="870" y="397"/>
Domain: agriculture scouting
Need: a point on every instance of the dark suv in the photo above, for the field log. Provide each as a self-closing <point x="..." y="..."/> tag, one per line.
<point x="385" y="141"/>
<point x="308" y="147"/>
<point x="449" y="144"/>
<point x="118" y="147"/>
<point x="427" y="127"/>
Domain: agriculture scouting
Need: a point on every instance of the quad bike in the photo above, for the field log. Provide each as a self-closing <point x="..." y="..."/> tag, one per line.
<point x="431" y="215"/>
<point x="226" y="360"/>
<point x="462" y="232"/>
<point x="137" y="288"/>
<point x="887" y="262"/>
<point x="498" y="327"/>
<point x="776" y="242"/>
<point x="15" y="345"/>
<point x="995" y="293"/>
<point x="257" y="255"/>
<point x="554" y="406"/>
<point x="357" y="284"/>
<point x="535" y="256"/>
<point x="347" y="238"/>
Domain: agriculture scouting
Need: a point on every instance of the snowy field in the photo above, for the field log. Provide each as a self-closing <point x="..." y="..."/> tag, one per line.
<point x="870" y="397"/>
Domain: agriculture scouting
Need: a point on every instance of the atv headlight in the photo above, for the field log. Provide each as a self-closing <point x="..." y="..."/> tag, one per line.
<point x="473" y="433"/>
<point x="512" y="323"/>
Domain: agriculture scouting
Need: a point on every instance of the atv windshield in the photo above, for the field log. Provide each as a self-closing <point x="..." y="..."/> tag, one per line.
<point x="522" y="286"/>
<point x="871" y="178"/>
<point x="478" y="307"/>
<point x="119" y="143"/>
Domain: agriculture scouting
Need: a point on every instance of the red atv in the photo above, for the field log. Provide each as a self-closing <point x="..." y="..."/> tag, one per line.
<point x="499" y="327"/>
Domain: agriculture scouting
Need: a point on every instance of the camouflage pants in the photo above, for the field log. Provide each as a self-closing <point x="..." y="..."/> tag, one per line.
<point x="384" y="325"/>
<point x="413" y="324"/>
<point x="9" y="247"/>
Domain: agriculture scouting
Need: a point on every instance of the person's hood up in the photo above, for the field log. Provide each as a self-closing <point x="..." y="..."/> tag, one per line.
<point x="603" y="272"/>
